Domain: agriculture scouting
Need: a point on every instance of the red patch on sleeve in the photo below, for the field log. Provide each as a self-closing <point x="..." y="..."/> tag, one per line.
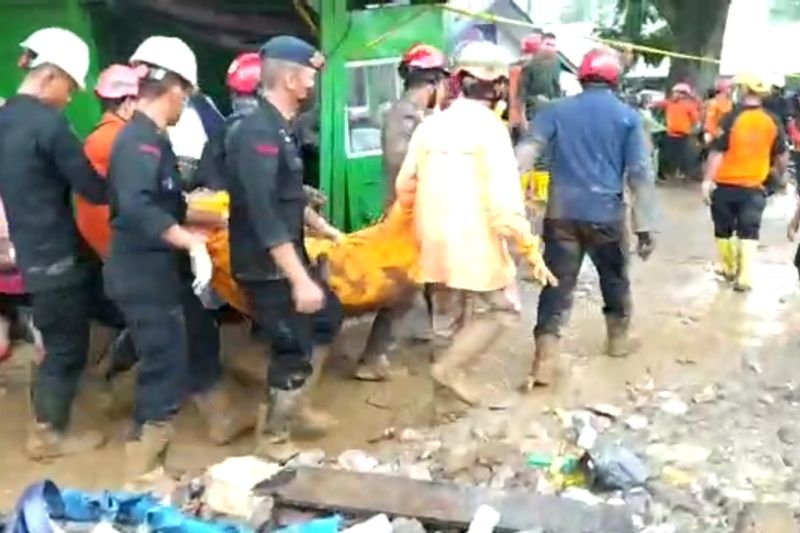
<point x="150" y="149"/>
<point x="267" y="149"/>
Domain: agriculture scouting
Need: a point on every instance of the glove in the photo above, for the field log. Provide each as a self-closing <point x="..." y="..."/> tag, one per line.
<point x="708" y="189"/>
<point x="645" y="246"/>
<point x="202" y="268"/>
<point x="529" y="249"/>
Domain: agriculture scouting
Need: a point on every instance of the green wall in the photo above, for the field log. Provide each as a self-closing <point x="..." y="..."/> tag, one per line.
<point x="18" y="19"/>
<point x="355" y="186"/>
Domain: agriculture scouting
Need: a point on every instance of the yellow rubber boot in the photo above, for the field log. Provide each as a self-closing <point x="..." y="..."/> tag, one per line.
<point x="747" y="256"/>
<point x="726" y="260"/>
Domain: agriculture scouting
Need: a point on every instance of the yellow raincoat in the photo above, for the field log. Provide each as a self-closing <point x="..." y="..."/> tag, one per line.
<point x="367" y="269"/>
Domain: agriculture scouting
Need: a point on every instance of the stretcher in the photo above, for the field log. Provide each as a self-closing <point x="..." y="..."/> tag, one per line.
<point x="367" y="270"/>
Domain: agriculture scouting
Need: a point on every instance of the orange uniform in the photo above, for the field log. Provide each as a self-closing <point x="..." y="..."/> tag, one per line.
<point x="749" y="141"/>
<point x="93" y="220"/>
<point x="717" y="107"/>
<point x="681" y="116"/>
<point x="515" y="111"/>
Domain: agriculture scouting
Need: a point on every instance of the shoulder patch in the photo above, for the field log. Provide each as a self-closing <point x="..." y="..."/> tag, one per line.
<point x="150" y="149"/>
<point x="270" y="150"/>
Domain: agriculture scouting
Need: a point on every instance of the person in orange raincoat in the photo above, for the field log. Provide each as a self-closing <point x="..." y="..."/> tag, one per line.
<point x="116" y="88"/>
<point x="716" y="108"/>
<point x="682" y="113"/>
<point x="461" y="181"/>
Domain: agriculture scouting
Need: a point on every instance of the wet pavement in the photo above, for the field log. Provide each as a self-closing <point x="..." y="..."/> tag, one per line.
<point x="697" y="333"/>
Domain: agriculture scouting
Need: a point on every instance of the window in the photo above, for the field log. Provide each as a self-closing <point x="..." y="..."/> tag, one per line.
<point x="372" y="87"/>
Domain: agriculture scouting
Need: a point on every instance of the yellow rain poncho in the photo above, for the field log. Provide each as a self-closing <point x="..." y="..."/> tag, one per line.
<point x="367" y="269"/>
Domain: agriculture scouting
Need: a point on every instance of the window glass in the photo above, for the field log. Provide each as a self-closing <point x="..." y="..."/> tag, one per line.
<point x="372" y="88"/>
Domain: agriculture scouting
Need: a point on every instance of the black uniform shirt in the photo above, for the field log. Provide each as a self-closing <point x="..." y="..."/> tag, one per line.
<point x="146" y="200"/>
<point x="266" y="190"/>
<point x="41" y="164"/>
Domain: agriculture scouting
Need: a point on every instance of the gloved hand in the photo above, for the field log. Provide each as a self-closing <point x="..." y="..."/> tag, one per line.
<point x="202" y="267"/>
<point x="708" y="188"/>
<point x="529" y="249"/>
<point x="645" y="246"/>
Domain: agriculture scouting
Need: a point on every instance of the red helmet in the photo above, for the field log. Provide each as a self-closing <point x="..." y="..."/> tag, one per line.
<point x="244" y="74"/>
<point x="531" y="43"/>
<point x="423" y="57"/>
<point x="600" y="65"/>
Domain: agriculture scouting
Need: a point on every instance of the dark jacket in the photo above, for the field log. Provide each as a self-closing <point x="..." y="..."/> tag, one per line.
<point x="43" y="165"/>
<point x="265" y="183"/>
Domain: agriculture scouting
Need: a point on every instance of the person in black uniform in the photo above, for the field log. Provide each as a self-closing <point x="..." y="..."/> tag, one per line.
<point x="43" y="164"/>
<point x="156" y="267"/>
<point x="296" y="313"/>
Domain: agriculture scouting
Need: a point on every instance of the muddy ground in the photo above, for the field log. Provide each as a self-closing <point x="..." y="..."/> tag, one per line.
<point x="696" y="331"/>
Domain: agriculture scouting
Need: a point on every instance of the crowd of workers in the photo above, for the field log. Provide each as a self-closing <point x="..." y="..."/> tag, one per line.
<point x="133" y="256"/>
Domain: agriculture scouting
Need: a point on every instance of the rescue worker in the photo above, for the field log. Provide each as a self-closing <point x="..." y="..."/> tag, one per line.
<point x="294" y="310"/>
<point x="156" y="266"/>
<point x="424" y="74"/>
<point x="682" y="115"/>
<point x="117" y="88"/>
<point x="716" y="108"/>
<point x="460" y="178"/>
<point x="751" y="142"/>
<point x="43" y="163"/>
<point x="540" y="78"/>
<point x="529" y="47"/>
<point x="597" y="142"/>
<point x="242" y="80"/>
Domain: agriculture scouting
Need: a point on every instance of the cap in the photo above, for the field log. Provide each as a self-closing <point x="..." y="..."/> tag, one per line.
<point x="293" y="50"/>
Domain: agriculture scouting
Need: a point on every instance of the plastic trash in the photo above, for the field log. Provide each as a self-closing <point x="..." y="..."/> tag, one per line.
<point x="377" y="524"/>
<point x="616" y="468"/>
<point x="330" y="524"/>
<point x="485" y="520"/>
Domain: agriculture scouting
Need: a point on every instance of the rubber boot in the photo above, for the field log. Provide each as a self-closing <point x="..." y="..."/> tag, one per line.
<point x="307" y="420"/>
<point x="44" y="443"/>
<point x="226" y="412"/>
<point x="747" y="255"/>
<point x="273" y="439"/>
<point x="619" y="343"/>
<point x="544" y="371"/>
<point x="147" y="452"/>
<point x="726" y="264"/>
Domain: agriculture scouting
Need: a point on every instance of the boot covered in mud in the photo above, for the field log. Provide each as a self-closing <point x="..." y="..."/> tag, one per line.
<point x="45" y="443"/>
<point x="619" y="342"/>
<point x="308" y="421"/>
<point x="545" y="368"/>
<point x="226" y="412"/>
<point x="748" y="249"/>
<point x="147" y="451"/>
<point x="726" y="259"/>
<point x="273" y="431"/>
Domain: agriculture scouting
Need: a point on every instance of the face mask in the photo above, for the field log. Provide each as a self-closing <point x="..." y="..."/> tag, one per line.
<point x="308" y="102"/>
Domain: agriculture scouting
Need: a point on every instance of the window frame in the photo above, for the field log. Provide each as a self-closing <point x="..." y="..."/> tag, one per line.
<point x="362" y="63"/>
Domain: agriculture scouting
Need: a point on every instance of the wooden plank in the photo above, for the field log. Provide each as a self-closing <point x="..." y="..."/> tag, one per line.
<point x="439" y="504"/>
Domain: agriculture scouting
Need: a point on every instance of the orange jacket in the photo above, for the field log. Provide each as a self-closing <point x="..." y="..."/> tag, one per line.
<point x="716" y="108"/>
<point x="750" y="138"/>
<point x="93" y="220"/>
<point x="681" y="116"/>
<point x="515" y="111"/>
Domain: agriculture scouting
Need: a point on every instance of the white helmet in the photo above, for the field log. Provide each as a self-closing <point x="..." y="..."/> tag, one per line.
<point x="483" y="60"/>
<point x="169" y="53"/>
<point x="61" y="48"/>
